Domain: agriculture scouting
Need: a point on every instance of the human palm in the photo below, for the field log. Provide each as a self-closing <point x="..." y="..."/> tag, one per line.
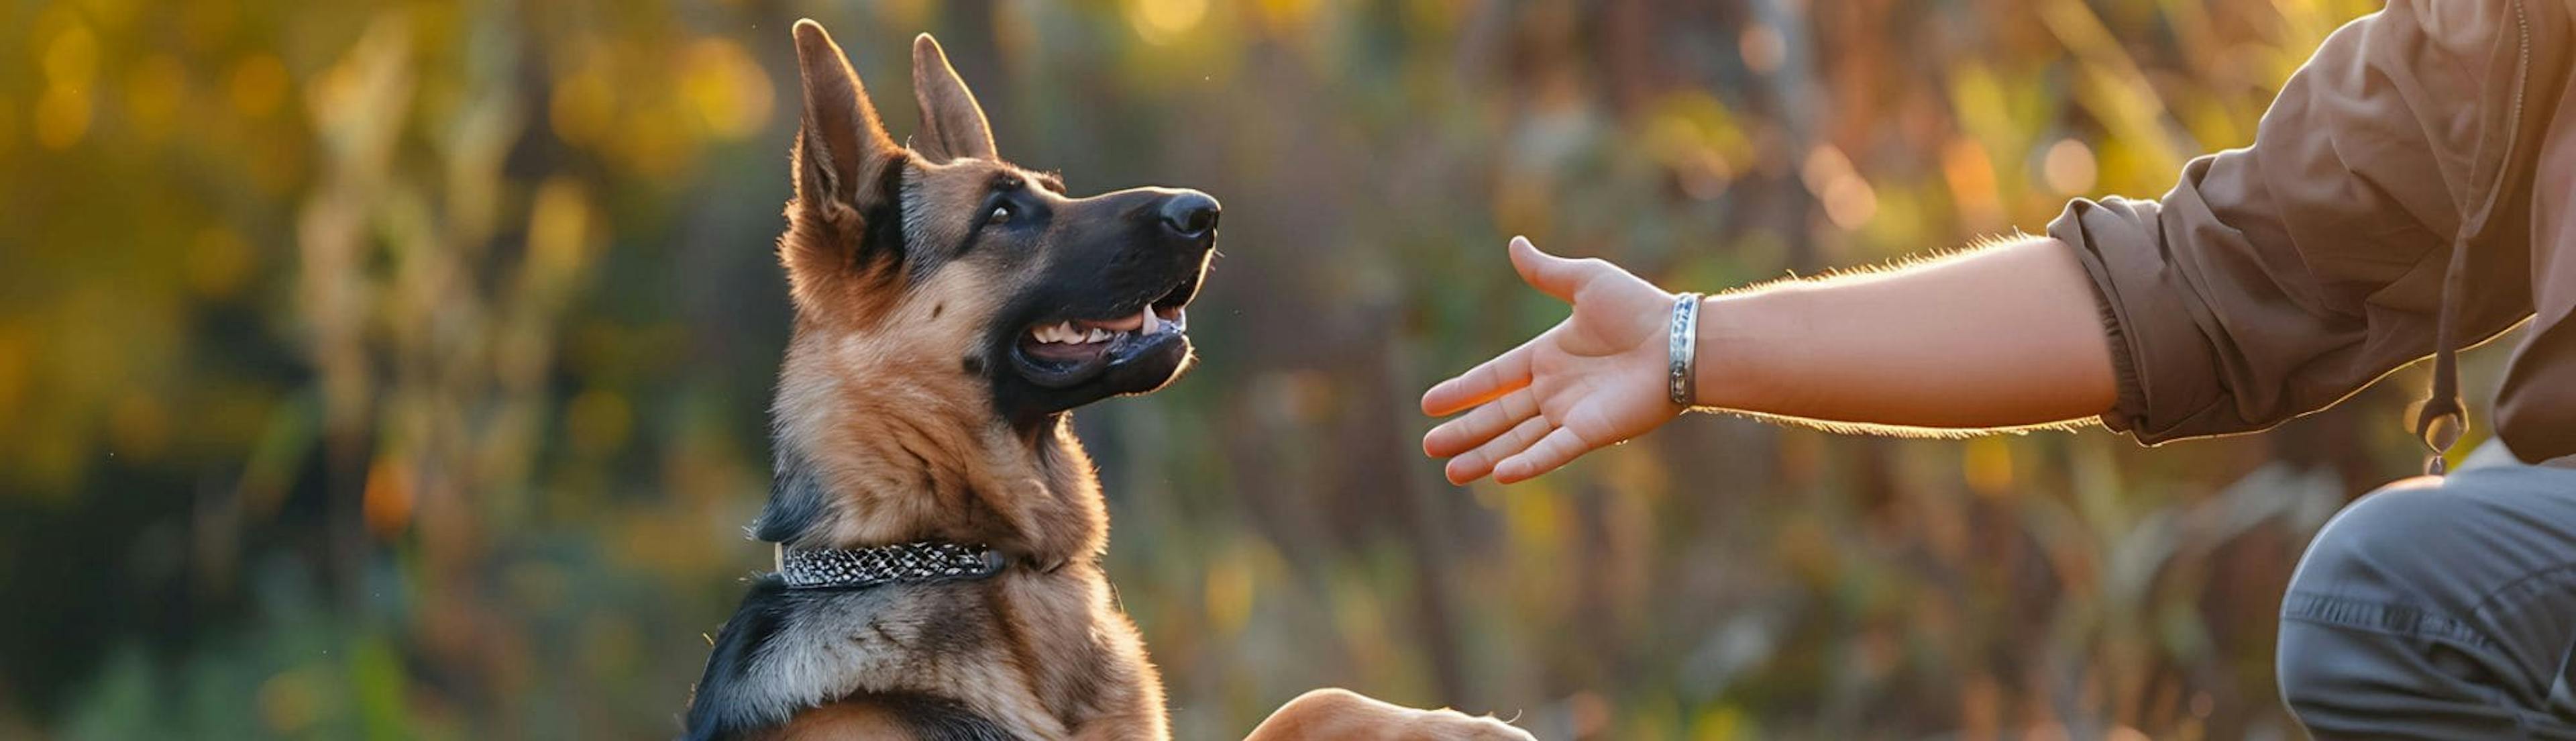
<point x="1593" y="380"/>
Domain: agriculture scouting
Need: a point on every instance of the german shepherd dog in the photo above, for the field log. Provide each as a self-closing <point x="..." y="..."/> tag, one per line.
<point x="938" y="528"/>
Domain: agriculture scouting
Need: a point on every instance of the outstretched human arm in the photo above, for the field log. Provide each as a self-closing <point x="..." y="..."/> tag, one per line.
<point x="2271" y="281"/>
<point x="1998" y="337"/>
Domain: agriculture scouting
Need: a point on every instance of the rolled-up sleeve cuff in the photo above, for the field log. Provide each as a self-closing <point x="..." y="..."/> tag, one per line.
<point x="2115" y="240"/>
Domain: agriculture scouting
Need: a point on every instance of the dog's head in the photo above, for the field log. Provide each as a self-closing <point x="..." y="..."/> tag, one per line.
<point x="943" y="252"/>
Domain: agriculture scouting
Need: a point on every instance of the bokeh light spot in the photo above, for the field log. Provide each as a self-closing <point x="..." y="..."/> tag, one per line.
<point x="2068" y="167"/>
<point x="62" y="117"/>
<point x="259" y="85"/>
<point x="387" y="503"/>
<point x="559" y="228"/>
<point x="582" y="106"/>
<point x="1762" y="47"/>
<point x="729" y="90"/>
<point x="1988" y="466"/>
<point x="1970" y="174"/>
<point x="1165" y="22"/>
<point x="1229" y="592"/>
<point x="1848" y="200"/>
<point x="72" y="59"/>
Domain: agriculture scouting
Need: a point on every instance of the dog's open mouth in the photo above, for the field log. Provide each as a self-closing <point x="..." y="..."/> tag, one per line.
<point x="1075" y="340"/>
<point x="1070" y="351"/>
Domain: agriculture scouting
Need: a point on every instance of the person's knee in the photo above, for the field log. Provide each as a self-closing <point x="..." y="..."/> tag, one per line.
<point x="2360" y="571"/>
<point x="2432" y="604"/>
<point x="2376" y="540"/>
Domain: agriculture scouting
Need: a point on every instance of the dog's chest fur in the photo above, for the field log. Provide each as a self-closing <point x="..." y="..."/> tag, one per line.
<point x="1021" y="654"/>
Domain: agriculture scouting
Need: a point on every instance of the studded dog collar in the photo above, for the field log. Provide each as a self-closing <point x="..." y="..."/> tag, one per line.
<point x="917" y="562"/>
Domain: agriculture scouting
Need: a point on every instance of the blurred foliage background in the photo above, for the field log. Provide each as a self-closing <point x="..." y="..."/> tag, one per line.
<point x="388" y="370"/>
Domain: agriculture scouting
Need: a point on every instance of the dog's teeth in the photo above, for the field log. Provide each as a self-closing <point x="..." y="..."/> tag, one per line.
<point x="1152" y="322"/>
<point x="1066" y="333"/>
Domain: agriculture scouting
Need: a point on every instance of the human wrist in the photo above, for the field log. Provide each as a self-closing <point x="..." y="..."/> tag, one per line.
<point x="1730" y="350"/>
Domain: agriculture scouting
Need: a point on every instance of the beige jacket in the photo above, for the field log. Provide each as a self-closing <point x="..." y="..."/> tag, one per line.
<point x="2412" y="190"/>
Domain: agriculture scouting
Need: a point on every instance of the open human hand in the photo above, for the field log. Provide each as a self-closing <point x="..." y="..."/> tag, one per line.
<point x="1593" y="380"/>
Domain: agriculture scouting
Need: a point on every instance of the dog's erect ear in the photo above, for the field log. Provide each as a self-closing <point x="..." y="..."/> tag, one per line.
<point x="952" y="124"/>
<point x="842" y="149"/>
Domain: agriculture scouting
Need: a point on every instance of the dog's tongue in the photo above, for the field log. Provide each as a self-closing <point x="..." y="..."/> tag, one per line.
<point x="1076" y="353"/>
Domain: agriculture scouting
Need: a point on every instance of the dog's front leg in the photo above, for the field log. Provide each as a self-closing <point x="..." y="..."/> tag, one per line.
<point x="1336" y="713"/>
<point x="1124" y="728"/>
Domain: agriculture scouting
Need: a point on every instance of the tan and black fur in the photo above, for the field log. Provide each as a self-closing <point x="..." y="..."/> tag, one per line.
<point x="914" y="404"/>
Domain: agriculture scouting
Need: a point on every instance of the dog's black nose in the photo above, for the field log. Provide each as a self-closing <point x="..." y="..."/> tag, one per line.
<point x="1191" y="213"/>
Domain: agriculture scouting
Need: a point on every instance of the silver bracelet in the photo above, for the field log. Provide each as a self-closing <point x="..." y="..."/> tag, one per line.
<point x="1684" y="379"/>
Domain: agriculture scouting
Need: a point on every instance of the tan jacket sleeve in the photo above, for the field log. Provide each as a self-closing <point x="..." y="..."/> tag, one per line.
<point x="2276" y="279"/>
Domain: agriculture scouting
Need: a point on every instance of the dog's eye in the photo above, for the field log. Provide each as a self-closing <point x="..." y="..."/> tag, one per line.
<point x="1001" y="215"/>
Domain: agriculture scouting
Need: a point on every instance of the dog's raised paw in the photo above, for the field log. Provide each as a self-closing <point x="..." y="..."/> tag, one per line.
<point x="1451" y="725"/>
<point x="1334" y="713"/>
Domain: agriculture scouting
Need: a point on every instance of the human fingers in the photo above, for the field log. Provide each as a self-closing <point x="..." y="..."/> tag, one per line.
<point x="1555" y="276"/>
<point x="1493" y="418"/>
<point x="1560" y="447"/>
<point x="1474" y="464"/>
<point x="1493" y="378"/>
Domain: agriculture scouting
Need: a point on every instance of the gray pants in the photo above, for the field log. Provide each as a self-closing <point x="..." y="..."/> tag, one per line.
<point x="2439" y="609"/>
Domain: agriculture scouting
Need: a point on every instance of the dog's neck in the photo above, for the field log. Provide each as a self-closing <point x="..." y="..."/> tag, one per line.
<point x="874" y="455"/>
